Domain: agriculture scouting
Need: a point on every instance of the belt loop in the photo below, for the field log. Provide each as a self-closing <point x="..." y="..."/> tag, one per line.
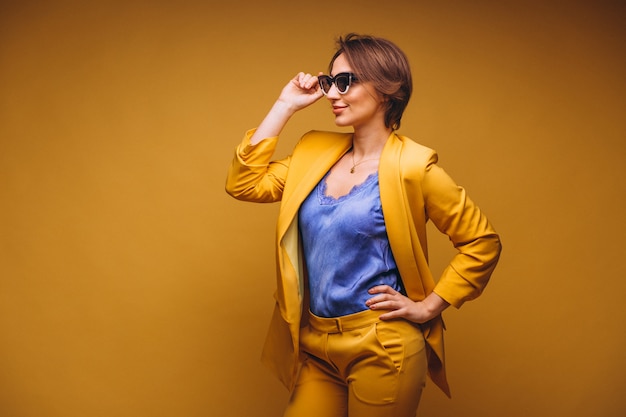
<point x="339" y="325"/>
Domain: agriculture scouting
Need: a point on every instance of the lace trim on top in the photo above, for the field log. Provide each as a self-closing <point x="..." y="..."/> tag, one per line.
<point x="329" y="199"/>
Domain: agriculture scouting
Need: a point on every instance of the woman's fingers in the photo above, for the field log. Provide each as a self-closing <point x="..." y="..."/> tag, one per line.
<point x="301" y="91"/>
<point x="396" y="304"/>
<point x="382" y="289"/>
<point x="306" y="81"/>
<point x="385" y="297"/>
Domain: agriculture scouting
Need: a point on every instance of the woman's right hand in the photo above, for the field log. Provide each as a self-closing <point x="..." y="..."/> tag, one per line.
<point x="301" y="91"/>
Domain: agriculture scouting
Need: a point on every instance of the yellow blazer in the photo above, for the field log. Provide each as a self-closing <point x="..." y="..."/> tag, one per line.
<point x="413" y="190"/>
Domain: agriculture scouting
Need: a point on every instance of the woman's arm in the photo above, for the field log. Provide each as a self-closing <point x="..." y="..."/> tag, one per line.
<point x="455" y="214"/>
<point x="252" y="175"/>
<point x="452" y="211"/>
<point x="301" y="91"/>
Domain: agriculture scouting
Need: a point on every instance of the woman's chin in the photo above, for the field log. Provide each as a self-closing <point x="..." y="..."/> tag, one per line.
<point x="339" y="122"/>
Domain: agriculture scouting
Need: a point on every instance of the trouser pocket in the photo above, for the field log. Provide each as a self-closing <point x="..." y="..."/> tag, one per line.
<point x="389" y="347"/>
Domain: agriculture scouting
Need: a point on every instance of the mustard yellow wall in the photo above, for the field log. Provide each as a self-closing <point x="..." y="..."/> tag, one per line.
<point x="131" y="285"/>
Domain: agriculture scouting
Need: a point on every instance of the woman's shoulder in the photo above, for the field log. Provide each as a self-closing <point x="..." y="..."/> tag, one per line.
<point x="411" y="145"/>
<point x="414" y="153"/>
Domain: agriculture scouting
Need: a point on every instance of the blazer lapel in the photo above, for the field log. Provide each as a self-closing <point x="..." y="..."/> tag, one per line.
<point x="397" y="217"/>
<point x="306" y="169"/>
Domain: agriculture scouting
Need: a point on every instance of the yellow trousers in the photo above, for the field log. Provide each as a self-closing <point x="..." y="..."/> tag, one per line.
<point x="359" y="366"/>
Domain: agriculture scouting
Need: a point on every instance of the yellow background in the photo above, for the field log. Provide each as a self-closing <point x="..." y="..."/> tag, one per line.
<point x="132" y="285"/>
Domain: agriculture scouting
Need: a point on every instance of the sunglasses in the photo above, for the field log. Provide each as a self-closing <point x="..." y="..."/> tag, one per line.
<point x="342" y="81"/>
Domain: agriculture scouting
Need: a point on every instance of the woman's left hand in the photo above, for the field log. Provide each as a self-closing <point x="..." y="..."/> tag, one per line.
<point x="401" y="306"/>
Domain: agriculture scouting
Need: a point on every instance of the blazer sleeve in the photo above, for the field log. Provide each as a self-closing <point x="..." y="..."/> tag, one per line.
<point x="455" y="214"/>
<point x="253" y="176"/>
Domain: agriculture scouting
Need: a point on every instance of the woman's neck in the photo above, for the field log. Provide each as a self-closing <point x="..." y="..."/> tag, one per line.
<point x="369" y="143"/>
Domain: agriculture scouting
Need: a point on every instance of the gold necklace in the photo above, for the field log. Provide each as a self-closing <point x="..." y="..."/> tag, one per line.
<point x="355" y="164"/>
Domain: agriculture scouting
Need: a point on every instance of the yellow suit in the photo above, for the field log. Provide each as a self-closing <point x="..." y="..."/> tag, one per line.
<point x="413" y="190"/>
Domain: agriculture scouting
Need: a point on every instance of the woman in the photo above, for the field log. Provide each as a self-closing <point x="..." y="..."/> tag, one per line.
<point x="357" y="324"/>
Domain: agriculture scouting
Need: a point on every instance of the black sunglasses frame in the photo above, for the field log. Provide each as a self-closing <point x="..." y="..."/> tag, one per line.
<point x="328" y="81"/>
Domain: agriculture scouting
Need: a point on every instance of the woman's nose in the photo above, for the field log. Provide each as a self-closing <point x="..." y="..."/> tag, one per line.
<point x="333" y="93"/>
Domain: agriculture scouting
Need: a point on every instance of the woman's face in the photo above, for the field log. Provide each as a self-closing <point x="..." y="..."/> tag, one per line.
<point x="360" y="106"/>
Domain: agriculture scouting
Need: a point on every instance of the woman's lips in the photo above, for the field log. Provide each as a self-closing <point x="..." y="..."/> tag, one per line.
<point x="338" y="109"/>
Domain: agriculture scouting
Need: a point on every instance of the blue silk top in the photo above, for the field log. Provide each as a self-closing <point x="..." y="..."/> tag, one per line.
<point x="346" y="248"/>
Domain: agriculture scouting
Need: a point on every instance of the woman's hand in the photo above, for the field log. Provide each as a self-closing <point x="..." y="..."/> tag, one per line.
<point x="301" y="91"/>
<point x="401" y="306"/>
